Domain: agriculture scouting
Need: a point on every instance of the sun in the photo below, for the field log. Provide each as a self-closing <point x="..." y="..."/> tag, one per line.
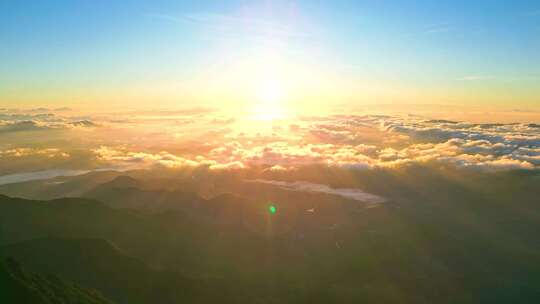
<point x="261" y="85"/>
<point x="270" y="92"/>
<point x="269" y="100"/>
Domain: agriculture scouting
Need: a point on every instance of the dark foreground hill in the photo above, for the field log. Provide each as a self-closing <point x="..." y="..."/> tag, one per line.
<point x="96" y="263"/>
<point x="20" y="286"/>
<point x="443" y="242"/>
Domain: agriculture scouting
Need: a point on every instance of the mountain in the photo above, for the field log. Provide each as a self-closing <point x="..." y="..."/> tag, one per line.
<point x="437" y="240"/>
<point x="97" y="263"/>
<point x="21" y="286"/>
<point x="59" y="187"/>
<point x="77" y="186"/>
<point x="89" y="262"/>
<point x="123" y="181"/>
<point x="127" y="192"/>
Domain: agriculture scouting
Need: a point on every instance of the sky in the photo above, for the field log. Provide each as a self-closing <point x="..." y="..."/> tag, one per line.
<point x="238" y="54"/>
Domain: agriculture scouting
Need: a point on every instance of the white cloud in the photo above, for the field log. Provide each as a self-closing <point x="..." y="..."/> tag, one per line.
<point x="18" y="121"/>
<point x="39" y="175"/>
<point x="361" y="142"/>
<point x="476" y="77"/>
<point x="130" y="159"/>
<point x="301" y="186"/>
<point x="22" y="152"/>
<point x="345" y="141"/>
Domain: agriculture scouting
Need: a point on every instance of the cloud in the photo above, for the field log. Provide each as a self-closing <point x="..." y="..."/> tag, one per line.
<point x="17" y="117"/>
<point x="198" y="138"/>
<point x="18" y="121"/>
<point x="518" y="134"/>
<point x="222" y="26"/>
<point x="444" y="27"/>
<point x="476" y="77"/>
<point x="46" y="174"/>
<point x="22" y="126"/>
<point x="441" y="121"/>
<point x="83" y="124"/>
<point x="488" y="146"/>
<point x="38" y="175"/>
<point x="359" y="142"/>
<point x="222" y="121"/>
<point x="39" y="110"/>
<point x="301" y="186"/>
<point x="32" y="125"/>
<point x="137" y="160"/>
<point x="23" y="152"/>
<point x="63" y="109"/>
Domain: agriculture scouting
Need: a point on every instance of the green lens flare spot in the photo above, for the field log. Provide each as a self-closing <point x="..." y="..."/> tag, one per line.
<point x="272" y="209"/>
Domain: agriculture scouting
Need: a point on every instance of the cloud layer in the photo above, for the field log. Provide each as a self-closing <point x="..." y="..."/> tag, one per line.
<point x="201" y="137"/>
<point x="39" y="119"/>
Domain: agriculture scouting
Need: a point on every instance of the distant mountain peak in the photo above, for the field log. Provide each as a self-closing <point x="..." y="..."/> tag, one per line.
<point x="124" y="181"/>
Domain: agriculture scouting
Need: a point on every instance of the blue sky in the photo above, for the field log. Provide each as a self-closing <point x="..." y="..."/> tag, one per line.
<point x="59" y="51"/>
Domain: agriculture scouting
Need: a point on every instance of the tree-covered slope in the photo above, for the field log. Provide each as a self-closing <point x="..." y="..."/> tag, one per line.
<point x="20" y="286"/>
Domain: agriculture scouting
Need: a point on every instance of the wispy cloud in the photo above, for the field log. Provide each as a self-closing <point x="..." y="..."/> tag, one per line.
<point x="429" y="29"/>
<point x="45" y="175"/>
<point x="476" y="77"/>
<point x="39" y="175"/>
<point x="444" y="27"/>
<point x="301" y="186"/>
<point x="232" y="24"/>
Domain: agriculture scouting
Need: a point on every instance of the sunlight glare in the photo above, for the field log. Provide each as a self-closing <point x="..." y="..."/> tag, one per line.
<point x="269" y="102"/>
<point x="270" y="92"/>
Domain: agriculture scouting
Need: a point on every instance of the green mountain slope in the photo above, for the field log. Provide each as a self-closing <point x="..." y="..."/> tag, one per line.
<point x="20" y="286"/>
<point x="442" y="242"/>
<point x="96" y="263"/>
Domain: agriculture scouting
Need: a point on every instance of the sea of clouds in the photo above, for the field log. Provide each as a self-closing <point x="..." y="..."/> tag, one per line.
<point x="203" y="137"/>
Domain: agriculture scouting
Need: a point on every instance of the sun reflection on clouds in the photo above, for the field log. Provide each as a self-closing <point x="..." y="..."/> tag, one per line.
<point x="276" y="142"/>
